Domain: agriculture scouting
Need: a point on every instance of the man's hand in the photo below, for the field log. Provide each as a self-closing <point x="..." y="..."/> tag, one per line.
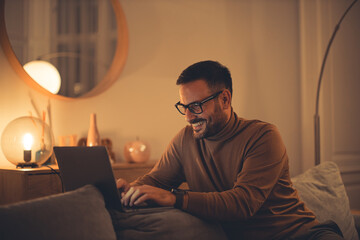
<point x="123" y="185"/>
<point x="139" y="195"/>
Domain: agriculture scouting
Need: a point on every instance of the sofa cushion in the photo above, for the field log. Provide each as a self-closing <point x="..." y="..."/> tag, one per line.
<point x="79" y="214"/>
<point x="163" y="224"/>
<point x="322" y="190"/>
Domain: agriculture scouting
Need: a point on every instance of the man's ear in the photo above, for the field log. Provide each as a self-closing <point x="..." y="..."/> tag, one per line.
<point x="225" y="98"/>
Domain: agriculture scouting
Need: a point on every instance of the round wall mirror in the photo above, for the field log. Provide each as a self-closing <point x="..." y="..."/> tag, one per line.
<point x="86" y="41"/>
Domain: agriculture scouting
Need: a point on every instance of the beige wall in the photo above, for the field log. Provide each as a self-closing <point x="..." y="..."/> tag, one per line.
<point x="257" y="40"/>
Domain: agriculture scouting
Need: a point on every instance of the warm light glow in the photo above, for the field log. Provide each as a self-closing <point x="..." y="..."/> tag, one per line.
<point x="45" y="74"/>
<point x="28" y="141"/>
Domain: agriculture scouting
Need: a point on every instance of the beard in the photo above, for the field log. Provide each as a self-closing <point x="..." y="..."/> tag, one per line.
<point x="212" y="125"/>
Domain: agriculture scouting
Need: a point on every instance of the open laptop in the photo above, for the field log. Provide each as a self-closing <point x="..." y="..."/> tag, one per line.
<point x="80" y="166"/>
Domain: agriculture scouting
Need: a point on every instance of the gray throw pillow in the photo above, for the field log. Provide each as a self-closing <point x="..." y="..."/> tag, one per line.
<point x="79" y="214"/>
<point x="322" y="190"/>
<point x="164" y="224"/>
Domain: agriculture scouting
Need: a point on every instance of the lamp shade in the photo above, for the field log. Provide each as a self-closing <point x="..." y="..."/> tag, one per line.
<point x="27" y="141"/>
<point x="45" y="74"/>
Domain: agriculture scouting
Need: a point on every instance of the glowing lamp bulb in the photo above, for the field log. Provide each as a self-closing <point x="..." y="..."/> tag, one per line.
<point x="28" y="141"/>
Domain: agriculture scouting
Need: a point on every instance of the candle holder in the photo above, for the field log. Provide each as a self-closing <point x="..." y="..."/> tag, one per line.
<point x="27" y="142"/>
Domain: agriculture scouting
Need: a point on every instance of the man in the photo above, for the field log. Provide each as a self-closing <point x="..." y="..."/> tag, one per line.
<point x="237" y="169"/>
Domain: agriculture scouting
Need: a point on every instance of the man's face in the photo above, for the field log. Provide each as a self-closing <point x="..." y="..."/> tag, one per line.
<point x="213" y="117"/>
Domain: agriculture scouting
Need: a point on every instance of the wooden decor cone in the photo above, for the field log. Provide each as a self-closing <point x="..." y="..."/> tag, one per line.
<point x="93" y="138"/>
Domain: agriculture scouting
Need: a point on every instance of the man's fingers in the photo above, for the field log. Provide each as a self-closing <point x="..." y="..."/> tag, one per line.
<point x="134" y="197"/>
<point x="126" y="198"/>
<point x="141" y="200"/>
<point x="122" y="184"/>
<point x="137" y="196"/>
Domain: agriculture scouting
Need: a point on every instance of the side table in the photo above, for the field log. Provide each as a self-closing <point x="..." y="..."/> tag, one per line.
<point x="24" y="184"/>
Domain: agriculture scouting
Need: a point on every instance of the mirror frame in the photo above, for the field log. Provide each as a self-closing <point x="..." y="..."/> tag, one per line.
<point x="110" y="77"/>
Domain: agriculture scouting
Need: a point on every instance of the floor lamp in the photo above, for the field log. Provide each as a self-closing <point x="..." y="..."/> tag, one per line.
<point x="316" y="117"/>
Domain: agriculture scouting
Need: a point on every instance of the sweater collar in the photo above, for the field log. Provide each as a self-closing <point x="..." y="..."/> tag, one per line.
<point x="227" y="131"/>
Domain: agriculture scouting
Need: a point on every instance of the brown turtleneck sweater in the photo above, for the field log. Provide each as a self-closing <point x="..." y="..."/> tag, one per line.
<point x="239" y="177"/>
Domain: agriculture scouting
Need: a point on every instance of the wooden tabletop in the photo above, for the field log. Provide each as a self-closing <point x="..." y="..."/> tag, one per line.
<point x="30" y="170"/>
<point x="355" y="212"/>
<point x="45" y="169"/>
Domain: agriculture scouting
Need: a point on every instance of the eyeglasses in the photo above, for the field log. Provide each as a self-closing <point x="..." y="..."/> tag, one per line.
<point x="195" y="107"/>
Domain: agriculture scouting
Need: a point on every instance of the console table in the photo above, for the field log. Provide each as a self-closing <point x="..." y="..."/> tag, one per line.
<point x="24" y="184"/>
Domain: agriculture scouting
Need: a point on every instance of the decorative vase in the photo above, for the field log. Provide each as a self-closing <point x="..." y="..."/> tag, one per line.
<point x="137" y="151"/>
<point x="93" y="138"/>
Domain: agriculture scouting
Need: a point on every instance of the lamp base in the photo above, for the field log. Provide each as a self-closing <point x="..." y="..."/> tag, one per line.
<point x="27" y="165"/>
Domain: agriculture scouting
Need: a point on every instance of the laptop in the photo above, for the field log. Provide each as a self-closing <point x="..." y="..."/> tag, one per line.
<point x="80" y="166"/>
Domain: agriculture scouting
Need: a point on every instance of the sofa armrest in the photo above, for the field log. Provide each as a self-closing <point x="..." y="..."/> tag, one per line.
<point x="78" y="214"/>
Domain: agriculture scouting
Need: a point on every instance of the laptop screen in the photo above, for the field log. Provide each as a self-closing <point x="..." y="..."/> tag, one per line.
<point x="80" y="166"/>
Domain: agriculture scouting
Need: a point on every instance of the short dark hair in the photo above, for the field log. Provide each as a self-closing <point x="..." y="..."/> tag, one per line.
<point x="216" y="75"/>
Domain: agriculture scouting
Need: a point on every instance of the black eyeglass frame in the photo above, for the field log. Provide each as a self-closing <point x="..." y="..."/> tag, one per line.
<point x="197" y="104"/>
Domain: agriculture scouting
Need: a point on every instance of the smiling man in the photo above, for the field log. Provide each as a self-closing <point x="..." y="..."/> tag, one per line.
<point x="237" y="169"/>
<point x="204" y="124"/>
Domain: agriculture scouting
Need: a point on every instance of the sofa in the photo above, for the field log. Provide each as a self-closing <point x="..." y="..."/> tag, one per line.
<point x="81" y="214"/>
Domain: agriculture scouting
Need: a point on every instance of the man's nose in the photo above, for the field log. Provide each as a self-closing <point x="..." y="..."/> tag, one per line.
<point x="189" y="115"/>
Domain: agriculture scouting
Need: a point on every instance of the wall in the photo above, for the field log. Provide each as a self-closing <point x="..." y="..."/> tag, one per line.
<point x="257" y="40"/>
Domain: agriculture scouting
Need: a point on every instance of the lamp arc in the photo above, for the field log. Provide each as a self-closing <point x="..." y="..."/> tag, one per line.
<point x="316" y="116"/>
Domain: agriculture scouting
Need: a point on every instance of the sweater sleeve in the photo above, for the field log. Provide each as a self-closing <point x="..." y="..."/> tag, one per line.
<point x="263" y="164"/>
<point x="167" y="172"/>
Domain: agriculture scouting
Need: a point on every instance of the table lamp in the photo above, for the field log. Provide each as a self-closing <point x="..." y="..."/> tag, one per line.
<point x="27" y="142"/>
